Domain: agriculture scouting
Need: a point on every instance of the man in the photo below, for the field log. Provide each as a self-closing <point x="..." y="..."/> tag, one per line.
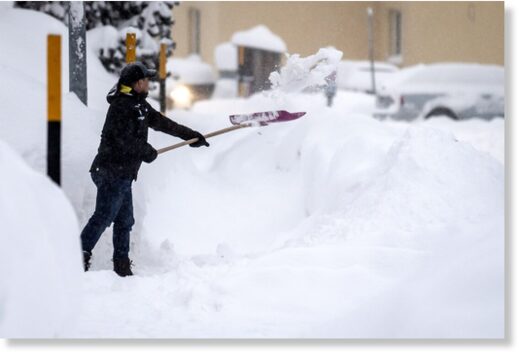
<point x="122" y="149"/>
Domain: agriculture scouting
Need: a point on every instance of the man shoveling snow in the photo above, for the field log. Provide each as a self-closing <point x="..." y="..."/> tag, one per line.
<point x="122" y="149"/>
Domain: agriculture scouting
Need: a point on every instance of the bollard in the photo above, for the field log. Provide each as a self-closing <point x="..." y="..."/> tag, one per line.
<point x="54" y="108"/>
<point x="131" y="44"/>
<point x="241" y="63"/>
<point x="162" y="77"/>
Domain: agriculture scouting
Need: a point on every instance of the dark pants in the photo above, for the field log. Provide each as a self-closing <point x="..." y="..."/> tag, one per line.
<point x="113" y="204"/>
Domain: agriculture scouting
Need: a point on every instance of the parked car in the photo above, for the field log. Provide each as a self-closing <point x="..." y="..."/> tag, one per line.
<point x="356" y="75"/>
<point x="455" y="90"/>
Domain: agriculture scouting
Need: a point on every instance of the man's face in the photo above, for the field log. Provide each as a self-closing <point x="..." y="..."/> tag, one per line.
<point x="142" y="86"/>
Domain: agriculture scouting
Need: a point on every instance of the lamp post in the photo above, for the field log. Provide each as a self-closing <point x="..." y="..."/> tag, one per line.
<point x="371" y="52"/>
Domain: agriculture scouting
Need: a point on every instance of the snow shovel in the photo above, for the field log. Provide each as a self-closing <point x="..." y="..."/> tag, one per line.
<point x="242" y="121"/>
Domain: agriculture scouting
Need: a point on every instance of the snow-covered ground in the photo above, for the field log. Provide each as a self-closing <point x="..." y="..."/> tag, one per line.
<point x="333" y="225"/>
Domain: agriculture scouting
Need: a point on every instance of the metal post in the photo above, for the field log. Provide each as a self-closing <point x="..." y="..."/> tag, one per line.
<point x="162" y="77"/>
<point x="331" y="88"/>
<point x="241" y="64"/>
<point x="77" y="50"/>
<point x="131" y="44"/>
<point x="371" y="51"/>
<point x="54" y="108"/>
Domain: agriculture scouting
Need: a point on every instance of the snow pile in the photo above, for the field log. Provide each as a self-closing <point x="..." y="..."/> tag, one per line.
<point x="40" y="256"/>
<point x="487" y="136"/>
<point x="225" y="88"/>
<point x="332" y="225"/>
<point x="23" y="124"/>
<point x="5" y="6"/>
<point x="259" y="37"/>
<point x="411" y="190"/>
<point x="190" y="70"/>
<point x="226" y="56"/>
<point x="226" y="59"/>
<point x="302" y="73"/>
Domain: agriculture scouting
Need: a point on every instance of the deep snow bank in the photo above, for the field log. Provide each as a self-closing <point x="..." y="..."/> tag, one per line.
<point x="330" y="226"/>
<point x="336" y="225"/>
<point x="40" y="255"/>
<point x="427" y="180"/>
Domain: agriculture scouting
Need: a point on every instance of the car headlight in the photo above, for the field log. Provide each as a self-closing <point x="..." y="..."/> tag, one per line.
<point x="181" y="96"/>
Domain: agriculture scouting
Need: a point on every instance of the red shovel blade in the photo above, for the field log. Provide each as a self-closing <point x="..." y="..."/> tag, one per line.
<point x="264" y="118"/>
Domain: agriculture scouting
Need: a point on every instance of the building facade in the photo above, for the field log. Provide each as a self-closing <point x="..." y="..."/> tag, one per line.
<point x="405" y="33"/>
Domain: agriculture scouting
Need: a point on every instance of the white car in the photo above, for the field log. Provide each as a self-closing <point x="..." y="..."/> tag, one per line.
<point x="356" y="75"/>
<point x="455" y="90"/>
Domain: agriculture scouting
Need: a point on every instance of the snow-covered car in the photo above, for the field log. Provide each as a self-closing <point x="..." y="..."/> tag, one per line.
<point x="356" y="75"/>
<point x="455" y="90"/>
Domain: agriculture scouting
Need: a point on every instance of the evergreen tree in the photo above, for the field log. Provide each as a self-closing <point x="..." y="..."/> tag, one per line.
<point x="153" y="20"/>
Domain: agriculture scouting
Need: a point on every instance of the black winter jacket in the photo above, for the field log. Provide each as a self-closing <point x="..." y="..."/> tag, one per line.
<point x="124" y="139"/>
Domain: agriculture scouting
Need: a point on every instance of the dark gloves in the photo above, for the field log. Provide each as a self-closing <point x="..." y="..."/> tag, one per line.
<point x="149" y="154"/>
<point x="200" y="142"/>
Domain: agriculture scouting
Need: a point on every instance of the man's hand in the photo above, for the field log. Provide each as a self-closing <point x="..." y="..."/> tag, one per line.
<point x="150" y="154"/>
<point x="200" y="142"/>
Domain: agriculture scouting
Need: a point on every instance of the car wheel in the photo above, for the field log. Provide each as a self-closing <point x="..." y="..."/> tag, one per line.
<point x="442" y="111"/>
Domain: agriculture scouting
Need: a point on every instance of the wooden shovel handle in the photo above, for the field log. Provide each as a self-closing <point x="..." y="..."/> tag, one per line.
<point x="193" y="140"/>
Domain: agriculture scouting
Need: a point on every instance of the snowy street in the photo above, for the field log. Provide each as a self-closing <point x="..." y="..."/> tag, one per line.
<point x="334" y="225"/>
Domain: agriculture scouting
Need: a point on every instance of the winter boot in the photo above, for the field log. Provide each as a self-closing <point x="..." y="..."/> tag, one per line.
<point x="122" y="267"/>
<point x="86" y="260"/>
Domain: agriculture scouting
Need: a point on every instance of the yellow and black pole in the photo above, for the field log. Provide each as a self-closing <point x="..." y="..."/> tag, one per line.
<point x="162" y="77"/>
<point x="131" y="44"/>
<point x="54" y="107"/>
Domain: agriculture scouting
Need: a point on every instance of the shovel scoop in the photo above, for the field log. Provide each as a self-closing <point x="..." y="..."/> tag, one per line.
<point x="244" y="120"/>
<point x="264" y="118"/>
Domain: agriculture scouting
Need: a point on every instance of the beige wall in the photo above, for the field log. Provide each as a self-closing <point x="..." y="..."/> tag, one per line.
<point x="445" y="31"/>
<point x="304" y="26"/>
<point x="209" y="27"/>
<point x="431" y="31"/>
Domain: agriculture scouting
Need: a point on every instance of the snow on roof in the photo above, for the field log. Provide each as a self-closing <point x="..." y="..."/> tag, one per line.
<point x="259" y="37"/>
<point x="226" y="56"/>
<point x="191" y="70"/>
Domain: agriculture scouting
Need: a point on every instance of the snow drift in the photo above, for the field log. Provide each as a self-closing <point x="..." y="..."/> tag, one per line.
<point x="334" y="225"/>
<point x="40" y="254"/>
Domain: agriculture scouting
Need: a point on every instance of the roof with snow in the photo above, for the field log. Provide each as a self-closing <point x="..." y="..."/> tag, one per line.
<point x="259" y="37"/>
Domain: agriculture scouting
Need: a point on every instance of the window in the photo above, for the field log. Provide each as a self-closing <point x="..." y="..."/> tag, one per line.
<point x="194" y="30"/>
<point x="395" y="32"/>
